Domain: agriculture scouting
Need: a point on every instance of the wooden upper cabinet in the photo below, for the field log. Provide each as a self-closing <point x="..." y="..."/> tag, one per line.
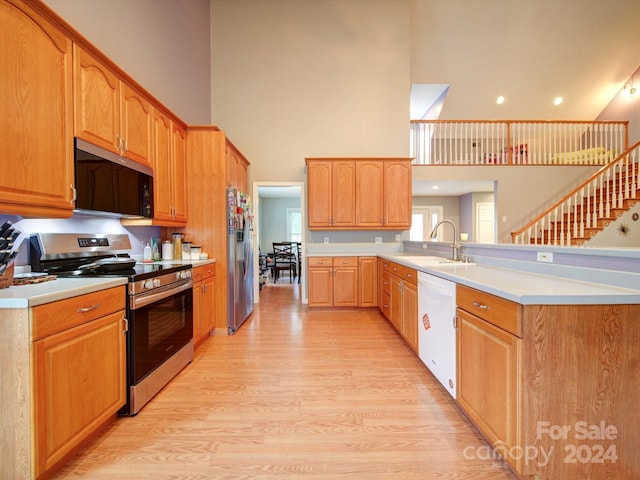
<point x="358" y="193"/>
<point x="170" y="171"/>
<point x="237" y="168"/>
<point x="97" y="102"/>
<point x="343" y="193"/>
<point x="397" y="194"/>
<point x="369" y="194"/>
<point x="331" y="193"/>
<point x="162" y="195"/>
<point x="36" y="139"/>
<point x="179" y="177"/>
<point x="136" y="118"/>
<point x="108" y="112"/>
<point x="319" y="194"/>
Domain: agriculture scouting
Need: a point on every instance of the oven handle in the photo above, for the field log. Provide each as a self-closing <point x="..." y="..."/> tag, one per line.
<point x="149" y="298"/>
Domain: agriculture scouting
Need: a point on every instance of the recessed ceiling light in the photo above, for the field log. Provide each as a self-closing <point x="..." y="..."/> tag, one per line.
<point x="435" y="187"/>
<point x="500" y="100"/>
<point x="558" y="100"/>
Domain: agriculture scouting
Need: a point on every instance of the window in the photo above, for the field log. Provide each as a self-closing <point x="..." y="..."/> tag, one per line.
<point x="294" y="225"/>
<point x="422" y="221"/>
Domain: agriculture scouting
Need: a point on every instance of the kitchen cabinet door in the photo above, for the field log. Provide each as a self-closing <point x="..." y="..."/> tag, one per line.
<point x="36" y="99"/>
<point x="178" y="165"/>
<point x="162" y="194"/>
<point x="369" y="194"/>
<point x="489" y="377"/>
<point x="319" y="195"/>
<point x="343" y="178"/>
<point x="368" y="281"/>
<point x="80" y="382"/>
<point x="137" y="126"/>
<point x="320" y="286"/>
<point x="410" y="315"/>
<point x="397" y="194"/>
<point x="97" y="102"/>
<point x="345" y="281"/>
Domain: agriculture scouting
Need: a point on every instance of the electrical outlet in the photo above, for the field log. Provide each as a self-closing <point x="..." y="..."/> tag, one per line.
<point x="397" y="237"/>
<point x="326" y="239"/>
<point x="378" y="239"/>
<point x="546" y="257"/>
<point x="425" y="246"/>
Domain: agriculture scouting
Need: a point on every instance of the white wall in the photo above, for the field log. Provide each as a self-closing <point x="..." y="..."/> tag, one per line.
<point x="162" y="44"/>
<point x="293" y="79"/>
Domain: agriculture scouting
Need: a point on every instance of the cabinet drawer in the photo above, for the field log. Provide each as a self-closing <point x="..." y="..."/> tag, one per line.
<point x="345" y="261"/>
<point x="203" y="272"/>
<point x="386" y="282"/>
<point x="320" y="261"/>
<point x="405" y="273"/>
<point x="385" y="304"/>
<point x="498" y="311"/>
<point x="386" y="265"/>
<point x="58" y="316"/>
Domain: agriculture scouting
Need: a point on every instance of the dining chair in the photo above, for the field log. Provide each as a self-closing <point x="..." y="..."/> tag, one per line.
<point x="284" y="259"/>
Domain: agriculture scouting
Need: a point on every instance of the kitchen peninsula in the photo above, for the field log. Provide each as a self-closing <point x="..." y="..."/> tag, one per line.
<point x="543" y="349"/>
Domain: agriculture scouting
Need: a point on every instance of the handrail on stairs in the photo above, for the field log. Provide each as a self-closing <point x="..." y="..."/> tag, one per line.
<point x="589" y="219"/>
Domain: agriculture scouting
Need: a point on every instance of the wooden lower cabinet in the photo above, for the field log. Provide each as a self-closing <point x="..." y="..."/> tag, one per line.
<point x="551" y="387"/>
<point x="368" y="281"/>
<point x="203" y="302"/>
<point x="333" y="281"/>
<point x="488" y="378"/>
<point x="400" y="300"/>
<point x="79" y="376"/>
<point x="343" y="281"/>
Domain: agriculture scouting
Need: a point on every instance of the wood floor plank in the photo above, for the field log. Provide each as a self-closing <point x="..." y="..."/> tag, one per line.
<point x="295" y="393"/>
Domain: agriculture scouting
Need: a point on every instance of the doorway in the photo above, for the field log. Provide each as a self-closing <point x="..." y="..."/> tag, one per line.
<point x="277" y="207"/>
<point x="485" y="222"/>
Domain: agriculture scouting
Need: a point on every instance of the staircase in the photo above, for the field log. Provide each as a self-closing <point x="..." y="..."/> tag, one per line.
<point x="589" y="208"/>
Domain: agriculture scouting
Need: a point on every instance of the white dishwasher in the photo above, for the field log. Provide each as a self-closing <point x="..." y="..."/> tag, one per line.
<point x="436" y="328"/>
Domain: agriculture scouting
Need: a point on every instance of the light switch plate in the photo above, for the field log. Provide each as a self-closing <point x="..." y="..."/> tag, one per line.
<point x="378" y="239"/>
<point x="326" y="239"/>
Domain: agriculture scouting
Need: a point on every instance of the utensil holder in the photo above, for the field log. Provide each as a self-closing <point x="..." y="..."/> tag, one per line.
<point x="6" y="279"/>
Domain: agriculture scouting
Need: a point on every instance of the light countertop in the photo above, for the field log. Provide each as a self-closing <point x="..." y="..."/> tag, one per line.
<point x="25" y="296"/>
<point x="524" y="287"/>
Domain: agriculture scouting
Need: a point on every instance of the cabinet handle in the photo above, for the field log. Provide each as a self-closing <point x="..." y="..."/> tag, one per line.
<point x="119" y="146"/>
<point x="409" y="275"/>
<point x="125" y="146"/>
<point x="481" y="306"/>
<point x="345" y="262"/>
<point x="126" y="325"/>
<point x="455" y="321"/>
<point x="74" y="194"/>
<point x="88" y="309"/>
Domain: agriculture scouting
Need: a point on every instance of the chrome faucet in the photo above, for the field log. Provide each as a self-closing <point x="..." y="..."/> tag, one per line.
<point x="455" y="245"/>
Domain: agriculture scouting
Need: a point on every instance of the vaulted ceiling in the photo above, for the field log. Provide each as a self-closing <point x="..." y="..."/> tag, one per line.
<point x="529" y="51"/>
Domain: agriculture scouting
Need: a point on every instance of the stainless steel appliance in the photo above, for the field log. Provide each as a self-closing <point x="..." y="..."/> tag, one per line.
<point x="239" y="258"/>
<point x="159" y="304"/>
<point x="110" y="185"/>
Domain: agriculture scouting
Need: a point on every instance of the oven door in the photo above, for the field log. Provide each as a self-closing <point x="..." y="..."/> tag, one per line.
<point x="160" y="323"/>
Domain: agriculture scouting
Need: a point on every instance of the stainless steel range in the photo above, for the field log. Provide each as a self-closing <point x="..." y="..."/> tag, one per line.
<point x="159" y="304"/>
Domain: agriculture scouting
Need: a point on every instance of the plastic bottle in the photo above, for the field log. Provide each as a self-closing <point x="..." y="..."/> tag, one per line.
<point x="147" y="253"/>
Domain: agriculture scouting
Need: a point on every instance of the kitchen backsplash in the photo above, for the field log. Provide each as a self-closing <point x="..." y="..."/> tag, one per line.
<point x="76" y="224"/>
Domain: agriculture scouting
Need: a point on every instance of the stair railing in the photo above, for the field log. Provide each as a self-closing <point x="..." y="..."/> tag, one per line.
<point x="589" y="207"/>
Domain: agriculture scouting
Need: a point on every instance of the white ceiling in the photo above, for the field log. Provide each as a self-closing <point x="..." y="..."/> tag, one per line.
<point x="529" y="51"/>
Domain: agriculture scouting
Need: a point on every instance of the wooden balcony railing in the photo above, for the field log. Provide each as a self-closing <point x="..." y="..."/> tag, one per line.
<point x="507" y="142"/>
<point x="593" y="205"/>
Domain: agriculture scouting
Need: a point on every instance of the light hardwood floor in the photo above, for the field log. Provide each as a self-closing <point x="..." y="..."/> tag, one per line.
<point x="295" y="393"/>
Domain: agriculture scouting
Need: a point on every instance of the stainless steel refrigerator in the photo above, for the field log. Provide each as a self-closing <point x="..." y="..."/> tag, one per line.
<point x="239" y="258"/>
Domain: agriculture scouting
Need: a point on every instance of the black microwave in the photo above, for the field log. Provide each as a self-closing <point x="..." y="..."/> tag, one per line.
<point x="107" y="184"/>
